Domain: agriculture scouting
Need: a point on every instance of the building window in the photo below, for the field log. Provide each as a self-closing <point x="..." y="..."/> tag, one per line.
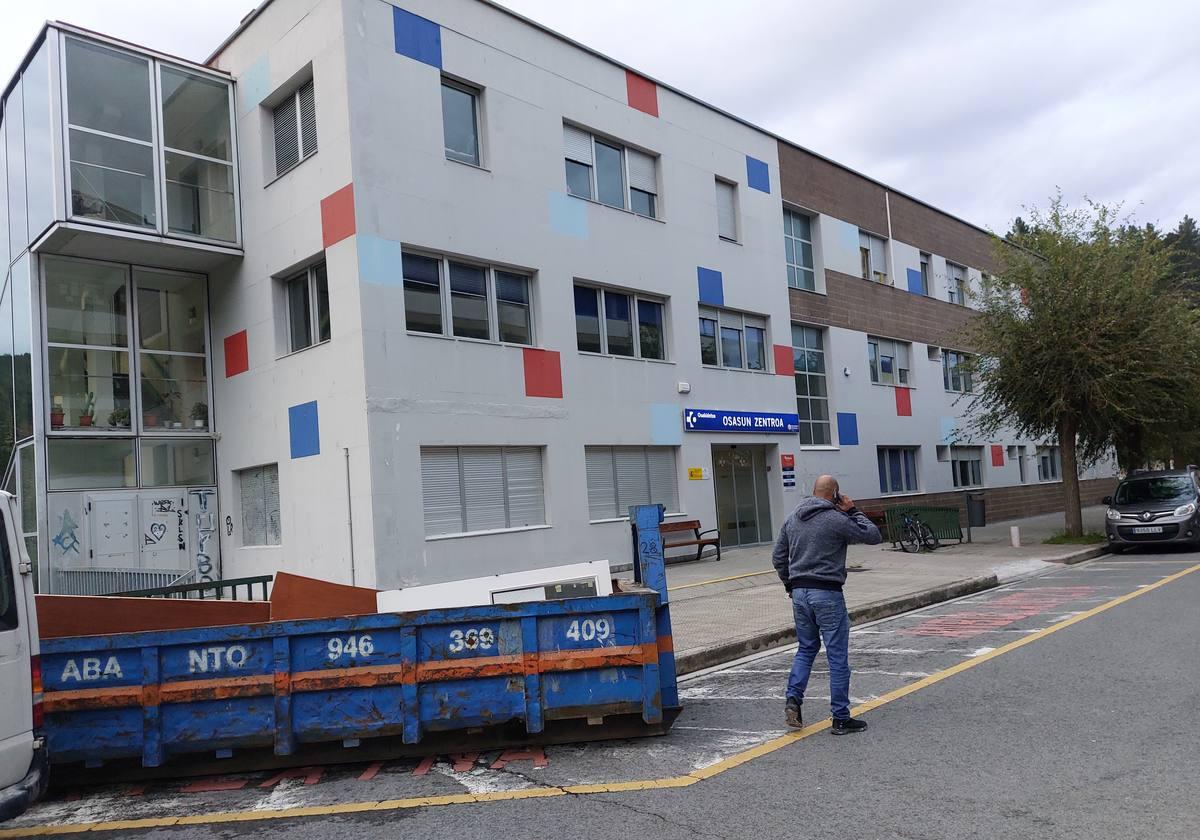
<point x="619" y="323"/>
<point x="307" y="307"/>
<point x="873" y="253"/>
<point x="733" y="339"/>
<point x="460" y="122"/>
<point x="197" y="155"/>
<point x="812" y="396"/>
<point x="924" y="273"/>
<point x="957" y="372"/>
<point x="481" y="488"/>
<point x="967" y="465"/>
<point x="610" y="173"/>
<point x="897" y="469"/>
<point x="177" y="463"/>
<point x="172" y="351"/>
<point x="91" y="464"/>
<point x="956" y="283"/>
<point x="1049" y="461"/>
<point x="727" y="226"/>
<point x="258" y="489"/>
<point x="295" y="121"/>
<point x="447" y="297"/>
<point x="621" y="476"/>
<point x="888" y="361"/>
<point x="798" y="250"/>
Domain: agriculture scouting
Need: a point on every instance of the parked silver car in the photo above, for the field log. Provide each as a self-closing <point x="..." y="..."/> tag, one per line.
<point x="1154" y="507"/>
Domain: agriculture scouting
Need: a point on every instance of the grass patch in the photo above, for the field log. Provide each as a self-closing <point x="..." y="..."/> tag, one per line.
<point x="1086" y="539"/>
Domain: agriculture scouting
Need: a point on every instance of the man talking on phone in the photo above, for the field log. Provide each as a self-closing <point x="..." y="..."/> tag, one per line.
<point x="810" y="557"/>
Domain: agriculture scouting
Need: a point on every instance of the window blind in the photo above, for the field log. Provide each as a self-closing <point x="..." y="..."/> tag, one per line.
<point x="526" y="496"/>
<point x="577" y="144"/>
<point x="308" y="120"/>
<point x="481" y="488"/>
<point x="726" y="210"/>
<point x="601" y="483"/>
<point x="287" y="139"/>
<point x="642" y="174"/>
<point x="259" y="492"/>
<point x="441" y="486"/>
<point x="621" y="476"/>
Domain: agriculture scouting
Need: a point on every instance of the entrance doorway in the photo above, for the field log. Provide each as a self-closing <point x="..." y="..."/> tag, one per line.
<point x="743" y="501"/>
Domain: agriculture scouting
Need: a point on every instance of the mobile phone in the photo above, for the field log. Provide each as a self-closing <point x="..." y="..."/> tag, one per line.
<point x="837" y="500"/>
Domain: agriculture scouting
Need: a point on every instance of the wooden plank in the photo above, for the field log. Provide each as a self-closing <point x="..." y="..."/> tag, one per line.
<point x="295" y="597"/>
<point x="96" y="615"/>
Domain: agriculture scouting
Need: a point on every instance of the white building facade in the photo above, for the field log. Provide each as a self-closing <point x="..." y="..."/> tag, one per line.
<point x="395" y="294"/>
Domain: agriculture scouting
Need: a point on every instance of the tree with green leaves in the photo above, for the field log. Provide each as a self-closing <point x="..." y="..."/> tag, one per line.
<point x="1079" y="343"/>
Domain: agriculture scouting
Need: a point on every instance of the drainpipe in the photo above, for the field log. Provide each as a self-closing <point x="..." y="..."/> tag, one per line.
<point x="350" y="517"/>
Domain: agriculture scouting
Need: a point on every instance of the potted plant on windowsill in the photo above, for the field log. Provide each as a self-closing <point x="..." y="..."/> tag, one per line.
<point x="57" y="415"/>
<point x="89" y="411"/>
<point x="150" y="418"/>
<point x="119" y="418"/>
<point x="200" y="415"/>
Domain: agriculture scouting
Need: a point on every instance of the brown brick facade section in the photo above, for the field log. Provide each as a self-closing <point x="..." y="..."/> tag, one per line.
<point x="857" y="304"/>
<point x="925" y="228"/>
<point x="816" y="184"/>
<point x="1005" y="503"/>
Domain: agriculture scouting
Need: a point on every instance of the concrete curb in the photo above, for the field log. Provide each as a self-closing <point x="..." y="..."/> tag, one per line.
<point x="688" y="661"/>
<point x="1079" y="556"/>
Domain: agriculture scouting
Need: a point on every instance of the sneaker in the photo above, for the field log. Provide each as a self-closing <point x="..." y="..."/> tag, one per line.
<point x="844" y="727"/>
<point x="792" y="710"/>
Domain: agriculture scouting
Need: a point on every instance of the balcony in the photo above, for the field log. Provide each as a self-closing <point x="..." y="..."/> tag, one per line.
<point x="140" y="162"/>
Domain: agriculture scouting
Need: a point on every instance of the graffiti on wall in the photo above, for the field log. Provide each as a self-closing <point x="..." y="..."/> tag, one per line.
<point x="206" y="529"/>
<point x="67" y="538"/>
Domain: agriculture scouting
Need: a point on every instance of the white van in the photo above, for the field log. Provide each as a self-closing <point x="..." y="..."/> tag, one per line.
<point x="24" y="773"/>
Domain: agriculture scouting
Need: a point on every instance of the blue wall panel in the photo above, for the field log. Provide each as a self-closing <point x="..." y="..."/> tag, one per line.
<point x="758" y="174"/>
<point x="303" y="430"/>
<point x="666" y="429"/>
<point x="847" y="423"/>
<point x="711" y="286"/>
<point x="417" y="37"/>
<point x="568" y="215"/>
<point x="914" y="282"/>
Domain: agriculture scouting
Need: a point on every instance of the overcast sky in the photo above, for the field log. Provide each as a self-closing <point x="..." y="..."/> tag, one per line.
<point x="979" y="108"/>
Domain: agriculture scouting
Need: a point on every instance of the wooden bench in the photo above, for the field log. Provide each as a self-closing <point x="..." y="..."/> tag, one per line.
<point x="698" y="537"/>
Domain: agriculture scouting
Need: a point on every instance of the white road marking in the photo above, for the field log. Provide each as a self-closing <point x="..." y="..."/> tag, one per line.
<point x="979" y="652"/>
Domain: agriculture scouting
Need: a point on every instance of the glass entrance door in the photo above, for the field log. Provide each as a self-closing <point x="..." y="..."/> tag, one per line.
<point x="740" y="484"/>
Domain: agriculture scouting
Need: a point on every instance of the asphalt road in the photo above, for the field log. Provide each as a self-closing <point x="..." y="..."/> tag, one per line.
<point x="991" y="717"/>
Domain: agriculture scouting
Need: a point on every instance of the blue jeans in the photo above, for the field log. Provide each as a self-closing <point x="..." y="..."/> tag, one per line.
<point x="822" y="615"/>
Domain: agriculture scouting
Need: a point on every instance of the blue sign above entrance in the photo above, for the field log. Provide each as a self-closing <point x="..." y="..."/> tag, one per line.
<point x="708" y="420"/>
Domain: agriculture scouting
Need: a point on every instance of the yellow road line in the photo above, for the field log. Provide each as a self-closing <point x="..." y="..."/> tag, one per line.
<point x="718" y="580"/>
<point x="686" y="780"/>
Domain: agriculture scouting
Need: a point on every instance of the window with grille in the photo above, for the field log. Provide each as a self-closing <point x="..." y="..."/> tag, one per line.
<point x="621" y="476"/>
<point x="258" y="488"/>
<point x="610" y="173"/>
<point x="812" y="396"/>
<point x="295" y="128"/>
<point x="468" y="489"/>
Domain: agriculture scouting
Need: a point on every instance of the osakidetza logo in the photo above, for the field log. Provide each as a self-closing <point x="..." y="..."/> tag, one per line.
<point x="691" y="416"/>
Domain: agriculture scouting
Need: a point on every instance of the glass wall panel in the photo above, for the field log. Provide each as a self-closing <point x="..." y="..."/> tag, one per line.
<point x="14" y="120"/>
<point x="4" y="256"/>
<point x="112" y="179"/>
<point x="86" y="304"/>
<point x="195" y="114"/>
<point x="108" y="90"/>
<point x="89" y="388"/>
<point x="22" y="288"/>
<point x="177" y="463"/>
<point x="85" y="464"/>
<point x="7" y="423"/>
<point x="200" y="197"/>
<point x="170" y="312"/>
<point x="39" y="146"/>
<point x="174" y="392"/>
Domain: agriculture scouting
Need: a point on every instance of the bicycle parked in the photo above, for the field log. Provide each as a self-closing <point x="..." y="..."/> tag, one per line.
<point x="915" y="535"/>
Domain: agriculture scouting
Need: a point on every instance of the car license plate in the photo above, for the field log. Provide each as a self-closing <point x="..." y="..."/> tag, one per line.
<point x="1150" y="529"/>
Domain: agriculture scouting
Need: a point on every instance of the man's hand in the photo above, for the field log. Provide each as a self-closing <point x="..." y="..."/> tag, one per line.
<point x="844" y="503"/>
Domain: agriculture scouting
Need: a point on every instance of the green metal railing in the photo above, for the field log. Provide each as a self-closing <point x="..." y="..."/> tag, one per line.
<point x="212" y="589"/>
<point x="943" y="521"/>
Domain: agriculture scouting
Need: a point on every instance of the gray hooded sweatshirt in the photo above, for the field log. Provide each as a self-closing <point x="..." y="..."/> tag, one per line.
<point x="811" y="550"/>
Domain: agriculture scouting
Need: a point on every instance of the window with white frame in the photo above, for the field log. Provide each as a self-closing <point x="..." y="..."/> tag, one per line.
<point x="733" y="339"/>
<point x="925" y="273"/>
<point x="619" y="323"/>
<point x="295" y="121"/>
<point x="958" y="371"/>
<point x="967" y="465"/>
<point x="897" y="469"/>
<point x="307" y="307"/>
<point x="798" y="250"/>
<point x="1049" y="463"/>
<point x="956" y="283"/>
<point x="873" y="252"/>
<point x="812" y="396"/>
<point x="608" y="172"/>
<point x="460" y="122"/>
<point x="621" y="476"/>
<point x="481" y="488"/>
<point x="258" y="489"/>
<point x="888" y="361"/>
<point x="727" y="222"/>
<point x="444" y="296"/>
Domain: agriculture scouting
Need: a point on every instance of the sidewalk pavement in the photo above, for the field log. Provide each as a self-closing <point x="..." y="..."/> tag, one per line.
<point x="722" y="611"/>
